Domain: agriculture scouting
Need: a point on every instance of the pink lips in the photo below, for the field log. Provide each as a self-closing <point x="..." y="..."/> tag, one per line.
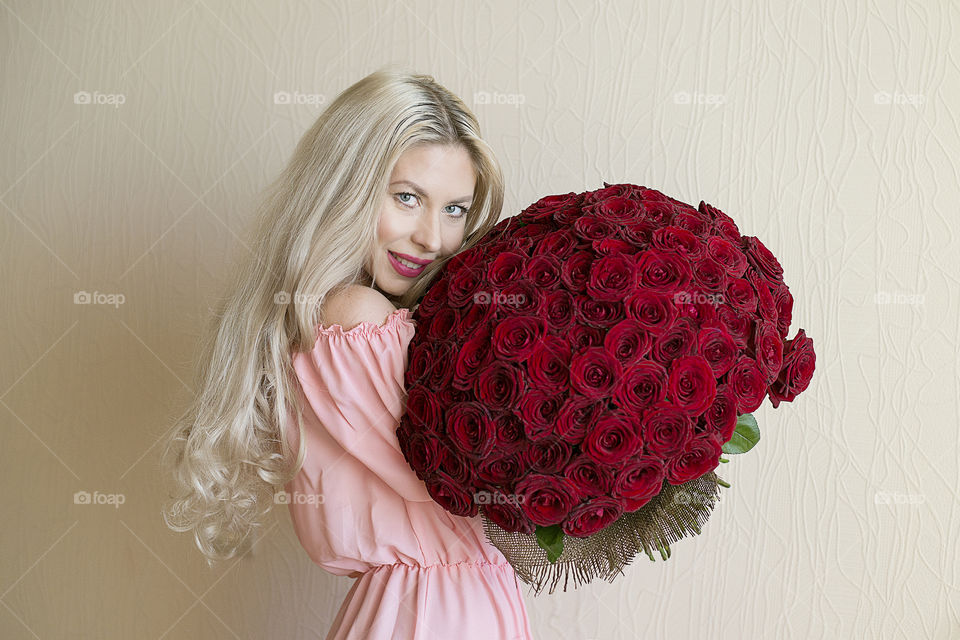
<point x="401" y="269"/>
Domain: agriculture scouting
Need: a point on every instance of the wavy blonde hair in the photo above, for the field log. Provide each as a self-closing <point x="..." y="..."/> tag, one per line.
<point x="315" y="226"/>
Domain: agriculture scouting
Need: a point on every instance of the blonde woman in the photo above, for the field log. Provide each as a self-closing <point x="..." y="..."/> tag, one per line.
<point x="301" y="382"/>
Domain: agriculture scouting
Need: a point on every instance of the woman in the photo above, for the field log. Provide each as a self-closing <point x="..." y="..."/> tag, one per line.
<point x="308" y="355"/>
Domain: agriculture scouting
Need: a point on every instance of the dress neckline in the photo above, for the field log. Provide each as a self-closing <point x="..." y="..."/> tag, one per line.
<point x="366" y="328"/>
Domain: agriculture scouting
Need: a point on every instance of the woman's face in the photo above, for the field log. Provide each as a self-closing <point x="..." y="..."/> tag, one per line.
<point x="423" y="215"/>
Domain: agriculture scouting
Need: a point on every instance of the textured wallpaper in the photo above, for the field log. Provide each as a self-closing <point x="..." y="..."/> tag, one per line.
<point x="137" y="135"/>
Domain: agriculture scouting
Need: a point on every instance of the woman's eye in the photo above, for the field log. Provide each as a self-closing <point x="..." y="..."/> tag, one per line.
<point x="401" y="195"/>
<point x="463" y="210"/>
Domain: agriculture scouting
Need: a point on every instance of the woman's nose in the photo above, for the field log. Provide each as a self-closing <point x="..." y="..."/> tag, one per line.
<point x="427" y="234"/>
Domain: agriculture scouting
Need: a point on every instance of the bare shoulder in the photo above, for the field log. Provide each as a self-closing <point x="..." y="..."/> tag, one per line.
<point x="354" y="304"/>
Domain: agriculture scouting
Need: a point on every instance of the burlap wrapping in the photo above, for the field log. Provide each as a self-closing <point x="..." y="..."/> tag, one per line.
<point x="676" y="512"/>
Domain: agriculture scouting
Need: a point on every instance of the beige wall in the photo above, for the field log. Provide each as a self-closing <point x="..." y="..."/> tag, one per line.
<point x="827" y="129"/>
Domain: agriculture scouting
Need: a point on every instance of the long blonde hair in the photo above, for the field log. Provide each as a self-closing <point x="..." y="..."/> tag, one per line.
<point x="315" y="227"/>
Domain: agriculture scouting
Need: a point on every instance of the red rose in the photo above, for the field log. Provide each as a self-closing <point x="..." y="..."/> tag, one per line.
<point x="463" y="284"/>
<point x="440" y="372"/>
<point x="609" y="246"/>
<point x="639" y="480"/>
<point x="539" y="411"/>
<point x="784" y="304"/>
<point x="509" y="517"/>
<point x="581" y="336"/>
<point x="710" y="274"/>
<point x="721" y="417"/>
<point x="691" y="386"/>
<point x="654" y="311"/>
<point x="543" y="208"/>
<point x="576" y="418"/>
<point x="422" y="451"/>
<point x="546" y="499"/>
<point x="693" y="222"/>
<point x="543" y="271"/>
<point x="591" y="228"/>
<point x="678" y="340"/>
<point x="666" y="430"/>
<point x="474" y="356"/>
<point x="591" y="516"/>
<point x="450" y="494"/>
<point x="723" y="224"/>
<point x="765" y="304"/>
<point x="499" y="385"/>
<point x="639" y="234"/>
<point x="661" y="271"/>
<point x="612" y="439"/>
<point x="589" y="477"/>
<point x="559" y="244"/>
<point x="742" y="295"/>
<point x="761" y="259"/>
<point x="728" y="254"/>
<point x="678" y="240"/>
<point x="594" y="372"/>
<point x="436" y="297"/>
<point x="559" y="309"/>
<point x="515" y="338"/>
<point x="609" y="191"/>
<point x="549" y="455"/>
<point x="500" y="468"/>
<point x="768" y="350"/>
<point x="505" y="268"/>
<point x="610" y="276"/>
<point x="510" y="436"/>
<point x="422" y="407"/>
<point x="738" y="324"/>
<point x="643" y="385"/>
<point x="549" y="364"/>
<point x="660" y="213"/>
<point x="717" y="348"/>
<point x="747" y="381"/>
<point x="628" y="341"/>
<point x="799" y="362"/>
<point x="700" y="455"/>
<point x="575" y="270"/>
<point x="600" y="313"/>
<point x="618" y="209"/>
<point x="470" y="428"/>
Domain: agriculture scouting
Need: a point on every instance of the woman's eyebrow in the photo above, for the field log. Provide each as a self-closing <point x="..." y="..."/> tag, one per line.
<point x="420" y="192"/>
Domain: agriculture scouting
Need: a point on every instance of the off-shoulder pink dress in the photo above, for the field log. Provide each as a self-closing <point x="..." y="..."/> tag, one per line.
<point x="359" y="510"/>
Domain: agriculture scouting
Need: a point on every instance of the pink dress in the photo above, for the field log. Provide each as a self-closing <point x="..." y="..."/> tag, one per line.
<point x="359" y="510"/>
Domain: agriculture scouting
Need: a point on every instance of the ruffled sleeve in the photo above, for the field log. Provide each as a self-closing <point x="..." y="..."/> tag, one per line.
<point x="353" y="396"/>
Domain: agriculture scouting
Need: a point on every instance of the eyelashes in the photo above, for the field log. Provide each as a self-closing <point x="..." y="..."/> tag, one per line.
<point x="463" y="210"/>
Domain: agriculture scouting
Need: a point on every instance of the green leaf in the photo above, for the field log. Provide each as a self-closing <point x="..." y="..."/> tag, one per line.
<point x="745" y="436"/>
<point x="550" y="540"/>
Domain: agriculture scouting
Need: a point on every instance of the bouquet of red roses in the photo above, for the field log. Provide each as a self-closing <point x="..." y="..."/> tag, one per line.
<point x="577" y="375"/>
